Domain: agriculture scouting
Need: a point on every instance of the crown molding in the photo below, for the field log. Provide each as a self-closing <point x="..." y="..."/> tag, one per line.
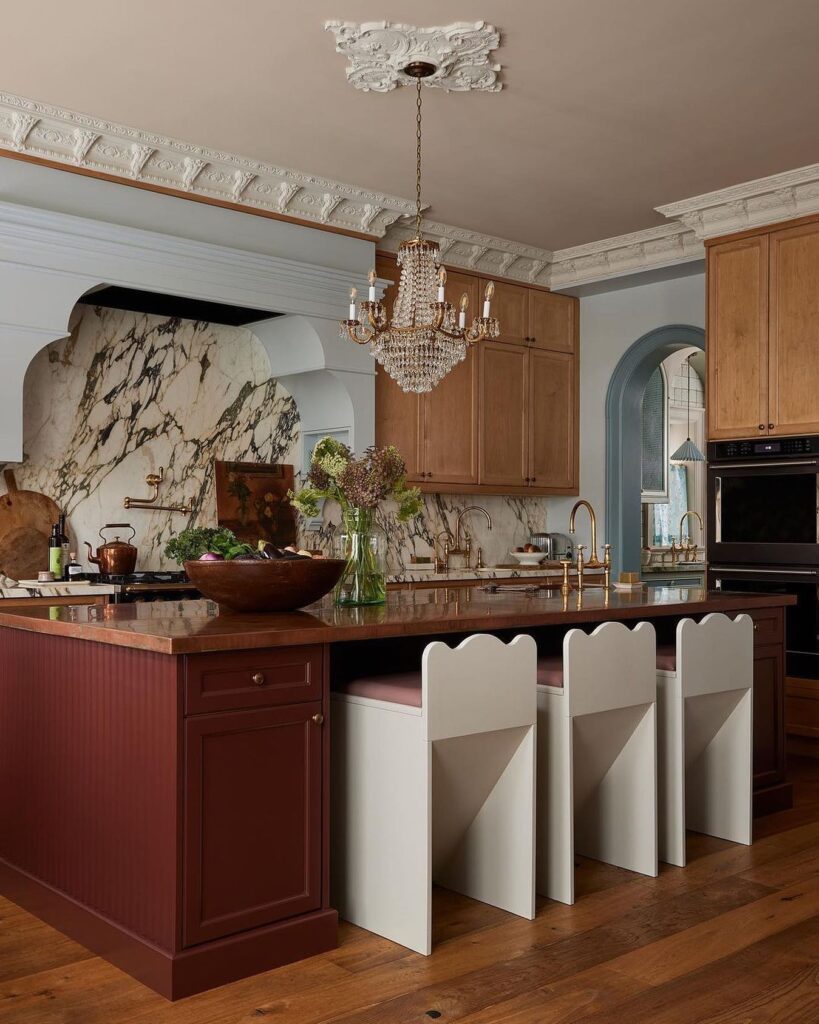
<point x="131" y="155"/>
<point x="664" y="246"/>
<point x="472" y="250"/>
<point x="752" y="204"/>
<point x="378" y="52"/>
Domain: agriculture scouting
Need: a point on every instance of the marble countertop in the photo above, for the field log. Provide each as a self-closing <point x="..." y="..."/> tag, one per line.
<point x="411" y="574"/>
<point x="58" y="589"/>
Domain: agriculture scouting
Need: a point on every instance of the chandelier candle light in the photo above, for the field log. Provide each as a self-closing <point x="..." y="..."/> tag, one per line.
<point x="425" y="338"/>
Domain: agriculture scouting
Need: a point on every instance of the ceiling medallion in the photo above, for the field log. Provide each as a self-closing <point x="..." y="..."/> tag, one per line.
<point x="380" y="54"/>
<point x="425" y="338"/>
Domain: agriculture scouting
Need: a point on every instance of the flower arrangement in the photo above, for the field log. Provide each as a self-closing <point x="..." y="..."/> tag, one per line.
<point x="379" y="474"/>
<point x="358" y="485"/>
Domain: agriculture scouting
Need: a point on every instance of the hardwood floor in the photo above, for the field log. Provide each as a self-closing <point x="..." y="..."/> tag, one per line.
<point x="731" y="939"/>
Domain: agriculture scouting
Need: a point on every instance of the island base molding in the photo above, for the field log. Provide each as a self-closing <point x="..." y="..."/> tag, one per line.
<point x="173" y="975"/>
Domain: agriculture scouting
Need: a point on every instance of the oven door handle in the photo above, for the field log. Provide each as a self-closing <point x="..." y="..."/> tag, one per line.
<point x="717" y="466"/>
<point x="767" y="572"/>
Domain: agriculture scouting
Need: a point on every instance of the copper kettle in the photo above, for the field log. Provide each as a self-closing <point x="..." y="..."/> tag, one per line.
<point x="115" y="557"/>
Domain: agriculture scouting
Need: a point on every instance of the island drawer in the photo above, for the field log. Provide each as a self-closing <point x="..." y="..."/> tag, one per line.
<point x="232" y="680"/>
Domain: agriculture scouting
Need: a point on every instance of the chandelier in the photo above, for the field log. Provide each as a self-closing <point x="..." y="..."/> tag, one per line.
<point x="425" y="338"/>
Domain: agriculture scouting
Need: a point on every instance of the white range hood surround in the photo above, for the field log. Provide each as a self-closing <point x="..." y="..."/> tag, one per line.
<point x="50" y="259"/>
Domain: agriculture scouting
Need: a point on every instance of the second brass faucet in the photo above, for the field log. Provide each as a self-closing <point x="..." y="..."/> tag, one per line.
<point x="592" y="562"/>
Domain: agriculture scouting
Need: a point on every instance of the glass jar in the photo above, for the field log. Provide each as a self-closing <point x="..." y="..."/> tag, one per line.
<point x="364" y="547"/>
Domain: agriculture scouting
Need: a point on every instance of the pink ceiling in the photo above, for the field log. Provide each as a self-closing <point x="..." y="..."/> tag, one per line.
<point x="609" y="107"/>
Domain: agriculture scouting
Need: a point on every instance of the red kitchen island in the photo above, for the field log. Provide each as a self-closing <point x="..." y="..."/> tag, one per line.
<point x="164" y="769"/>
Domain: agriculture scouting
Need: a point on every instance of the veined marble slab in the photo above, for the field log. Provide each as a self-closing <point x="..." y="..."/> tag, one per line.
<point x="410" y="575"/>
<point x="58" y="590"/>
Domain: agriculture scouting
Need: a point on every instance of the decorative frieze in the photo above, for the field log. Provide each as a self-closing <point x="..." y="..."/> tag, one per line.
<point x="752" y="204"/>
<point x="78" y="140"/>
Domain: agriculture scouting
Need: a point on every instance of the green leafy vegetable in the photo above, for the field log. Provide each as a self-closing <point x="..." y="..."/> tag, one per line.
<point x="190" y="545"/>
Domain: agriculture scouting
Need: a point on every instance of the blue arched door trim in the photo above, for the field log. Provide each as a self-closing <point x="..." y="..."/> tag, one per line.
<point x="623" y="402"/>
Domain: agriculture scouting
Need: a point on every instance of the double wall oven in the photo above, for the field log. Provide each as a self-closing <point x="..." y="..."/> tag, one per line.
<point x="763" y="531"/>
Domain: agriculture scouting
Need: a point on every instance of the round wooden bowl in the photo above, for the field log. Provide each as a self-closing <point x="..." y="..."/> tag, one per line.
<point x="266" y="586"/>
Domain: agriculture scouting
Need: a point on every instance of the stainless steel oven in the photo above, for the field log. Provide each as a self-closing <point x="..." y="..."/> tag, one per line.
<point x="801" y="620"/>
<point x="763" y="502"/>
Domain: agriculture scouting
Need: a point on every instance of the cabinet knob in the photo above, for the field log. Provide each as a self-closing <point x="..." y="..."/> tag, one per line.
<point x="532" y="479"/>
<point x="761" y="426"/>
<point x="756" y="627"/>
<point x="258" y="679"/>
<point x="318" y="718"/>
<point x="770" y="426"/>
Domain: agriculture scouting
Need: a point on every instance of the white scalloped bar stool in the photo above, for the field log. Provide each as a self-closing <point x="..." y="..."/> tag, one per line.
<point x="705" y="728"/>
<point x="597" y="755"/>
<point x="433" y="778"/>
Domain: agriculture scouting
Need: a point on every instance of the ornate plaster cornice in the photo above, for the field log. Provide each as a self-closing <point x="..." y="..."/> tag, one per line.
<point x="651" y="249"/>
<point x="378" y="51"/>
<point x="472" y="250"/>
<point x="85" y="142"/>
<point x="752" y="204"/>
<point x="663" y="246"/>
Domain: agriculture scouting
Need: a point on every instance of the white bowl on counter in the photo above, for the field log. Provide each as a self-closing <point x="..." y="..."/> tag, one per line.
<point x="528" y="557"/>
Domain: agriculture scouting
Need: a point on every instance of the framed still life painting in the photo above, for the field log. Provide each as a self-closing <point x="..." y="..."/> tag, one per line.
<point x="251" y="500"/>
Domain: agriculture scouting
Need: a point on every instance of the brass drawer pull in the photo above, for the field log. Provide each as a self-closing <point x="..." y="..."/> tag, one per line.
<point x="258" y="679"/>
<point x="318" y="718"/>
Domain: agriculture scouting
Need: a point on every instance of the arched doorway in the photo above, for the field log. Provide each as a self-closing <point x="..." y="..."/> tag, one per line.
<point x="623" y="407"/>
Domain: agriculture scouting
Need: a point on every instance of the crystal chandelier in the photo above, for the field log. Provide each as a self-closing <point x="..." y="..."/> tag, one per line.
<point x="425" y="338"/>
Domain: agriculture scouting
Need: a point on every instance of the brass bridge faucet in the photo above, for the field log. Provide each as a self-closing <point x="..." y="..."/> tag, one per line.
<point x="592" y="562"/>
<point x="690" y="550"/>
<point x="459" y="549"/>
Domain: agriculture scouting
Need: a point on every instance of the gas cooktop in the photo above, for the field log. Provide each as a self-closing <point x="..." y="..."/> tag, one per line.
<point x="149" y="577"/>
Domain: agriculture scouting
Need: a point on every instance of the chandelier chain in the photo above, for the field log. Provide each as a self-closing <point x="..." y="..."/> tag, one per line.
<point x="418" y="159"/>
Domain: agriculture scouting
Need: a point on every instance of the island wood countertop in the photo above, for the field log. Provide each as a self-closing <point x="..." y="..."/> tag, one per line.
<point x="187" y="627"/>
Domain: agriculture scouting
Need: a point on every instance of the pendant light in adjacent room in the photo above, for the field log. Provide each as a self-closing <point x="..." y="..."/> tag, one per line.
<point x="688" y="451"/>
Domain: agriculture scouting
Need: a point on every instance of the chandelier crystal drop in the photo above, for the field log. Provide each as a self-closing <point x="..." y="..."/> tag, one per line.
<point x="426" y="337"/>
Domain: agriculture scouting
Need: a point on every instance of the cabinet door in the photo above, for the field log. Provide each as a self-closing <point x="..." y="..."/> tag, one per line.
<point x="398" y="415"/>
<point x="252" y="819"/>
<point x="769" y="711"/>
<point x="510" y="307"/>
<point x="504" y="397"/>
<point x="737" y="344"/>
<point x="793" y="400"/>
<point x="450" y="411"/>
<point x="552" y="321"/>
<point x="552" y="420"/>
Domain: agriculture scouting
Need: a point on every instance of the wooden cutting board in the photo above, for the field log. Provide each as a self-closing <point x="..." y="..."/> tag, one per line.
<point x="26" y="518"/>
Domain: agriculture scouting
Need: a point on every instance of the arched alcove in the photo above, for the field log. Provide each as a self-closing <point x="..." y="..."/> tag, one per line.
<point x="623" y="405"/>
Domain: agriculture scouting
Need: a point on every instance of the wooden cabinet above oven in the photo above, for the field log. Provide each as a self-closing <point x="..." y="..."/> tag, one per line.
<point x="505" y="421"/>
<point x="763" y="318"/>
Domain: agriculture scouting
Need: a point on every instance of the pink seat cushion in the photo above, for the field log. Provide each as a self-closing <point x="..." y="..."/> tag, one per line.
<point x="550" y="671"/>
<point x="398" y="688"/>
<point x="667" y="658"/>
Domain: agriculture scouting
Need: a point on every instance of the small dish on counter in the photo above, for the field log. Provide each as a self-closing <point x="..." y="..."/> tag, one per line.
<point x="528" y="557"/>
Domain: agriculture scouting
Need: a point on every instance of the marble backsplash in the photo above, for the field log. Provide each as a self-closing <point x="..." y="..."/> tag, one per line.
<point x="513" y="520"/>
<point x="127" y="393"/>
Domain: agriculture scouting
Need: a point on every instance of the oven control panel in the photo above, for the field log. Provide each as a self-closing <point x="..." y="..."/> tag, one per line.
<point x="764" y="448"/>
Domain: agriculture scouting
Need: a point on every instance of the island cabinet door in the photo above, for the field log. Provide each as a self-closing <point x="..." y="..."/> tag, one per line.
<point x="769" y="712"/>
<point x="253" y="819"/>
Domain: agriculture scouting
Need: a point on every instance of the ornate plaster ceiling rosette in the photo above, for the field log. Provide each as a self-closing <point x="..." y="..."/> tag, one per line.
<point x="378" y="51"/>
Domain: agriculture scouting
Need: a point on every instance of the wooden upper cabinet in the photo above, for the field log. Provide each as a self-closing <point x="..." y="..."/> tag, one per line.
<point x="738" y="338"/>
<point x="505" y="419"/>
<point x="510" y="307"/>
<point x="553" y="454"/>
<point x="449" y="413"/>
<point x="504" y="441"/>
<point x="552" y="321"/>
<point x="793" y="349"/>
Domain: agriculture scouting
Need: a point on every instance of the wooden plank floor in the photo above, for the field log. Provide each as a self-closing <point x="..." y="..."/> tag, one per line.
<point x="731" y="939"/>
